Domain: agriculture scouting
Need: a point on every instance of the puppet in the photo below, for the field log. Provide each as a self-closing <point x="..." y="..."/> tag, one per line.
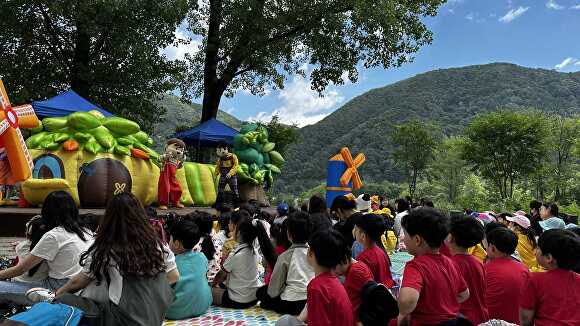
<point x="226" y="168"/>
<point x="168" y="189"/>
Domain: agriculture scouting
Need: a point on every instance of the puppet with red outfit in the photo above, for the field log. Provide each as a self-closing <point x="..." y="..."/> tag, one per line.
<point x="168" y="189"/>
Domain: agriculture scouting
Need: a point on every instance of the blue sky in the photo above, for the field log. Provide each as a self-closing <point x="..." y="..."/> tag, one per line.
<point x="531" y="33"/>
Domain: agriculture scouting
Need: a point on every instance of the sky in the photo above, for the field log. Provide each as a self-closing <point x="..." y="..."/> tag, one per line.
<point x="531" y="33"/>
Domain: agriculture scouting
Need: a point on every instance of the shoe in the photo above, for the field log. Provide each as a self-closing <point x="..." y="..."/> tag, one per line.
<point x="37" y="295"/>
<point x="179" y="205"/>
<point x="163" y="207"/>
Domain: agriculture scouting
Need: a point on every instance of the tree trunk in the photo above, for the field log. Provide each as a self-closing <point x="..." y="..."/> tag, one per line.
<point x="81" y="64"/>
<point x="212" y="93"/>
<point x="211" y="102"/>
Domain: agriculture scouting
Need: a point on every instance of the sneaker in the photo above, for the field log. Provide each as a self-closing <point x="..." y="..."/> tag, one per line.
<point x="37" y="295"/>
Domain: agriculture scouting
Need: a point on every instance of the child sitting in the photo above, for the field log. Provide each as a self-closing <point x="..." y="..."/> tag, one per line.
<point x="504" y="275"/>
<point x="367" y="231"/>
<point x="286" y="292"/>
<point x="356" y="275"/>
<point x="35" y="229"/>
<point x="465" y="233"/>
<point x="241" y="266"/>
<point x="327" y="301"/>
<point x="279" y="235"/>
<point x="432" y="288"/>
<point x="552" y="298"/>
<point x="192" y="291"/>
<point x="210" y="244"/>
<point x="526" y="240"/>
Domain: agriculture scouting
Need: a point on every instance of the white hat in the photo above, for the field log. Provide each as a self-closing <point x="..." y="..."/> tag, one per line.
<point x="363" y="202"/>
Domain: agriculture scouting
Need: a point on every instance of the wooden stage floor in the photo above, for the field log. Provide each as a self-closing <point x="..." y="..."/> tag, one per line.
<point x="13" y="219"/>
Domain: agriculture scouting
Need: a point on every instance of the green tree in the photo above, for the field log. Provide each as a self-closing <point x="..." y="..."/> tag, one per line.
<point x="449" y="169"/>
<point x="107" y="51"/>
<point x="505" y="146"/>
<point x="254" y="44"/>
<point x="415" y="143"/>
<point x="281" y="134"/>
<point x="564" y="136"/>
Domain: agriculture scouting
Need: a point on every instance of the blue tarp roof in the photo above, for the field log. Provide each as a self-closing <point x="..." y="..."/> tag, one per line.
<point x="209" y="133"/>
<point x="64" y="104"/>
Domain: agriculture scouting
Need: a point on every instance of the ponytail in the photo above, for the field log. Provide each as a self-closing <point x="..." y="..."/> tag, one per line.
<point x="207" y="247"/>
<point x="204" y="222"/>
<point x="265" y="244"/>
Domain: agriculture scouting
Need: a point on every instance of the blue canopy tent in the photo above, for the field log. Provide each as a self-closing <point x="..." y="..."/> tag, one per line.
<point x="208" y="134"/>
<point x="64" y="104"/>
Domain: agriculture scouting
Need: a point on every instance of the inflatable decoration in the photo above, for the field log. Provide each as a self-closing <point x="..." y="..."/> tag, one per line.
<point x="93" y="158"/>
<point x="168" y="189"/>
<point x="226" y="168"/>
<point x="259" y="162"/>
<point x="18" y="157"/>
<point x="342" y="174"/>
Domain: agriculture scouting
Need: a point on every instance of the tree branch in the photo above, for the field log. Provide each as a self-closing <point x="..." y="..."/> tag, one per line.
<point x="56" y="39"/>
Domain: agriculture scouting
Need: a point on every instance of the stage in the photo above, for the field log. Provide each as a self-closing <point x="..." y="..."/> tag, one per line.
<point x="13" y="219"/>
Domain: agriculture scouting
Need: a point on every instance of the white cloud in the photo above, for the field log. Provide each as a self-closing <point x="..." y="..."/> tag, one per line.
<point x="513" y="14"/>
<point x="229" y="110"/>
<point x="567" y="62"/>
<point x="186" y="45"/>
<point x="469" y="16"/>
<point x="577" y="7"/>
<point x="302" y="105"/>
<point x="551" y="4"/>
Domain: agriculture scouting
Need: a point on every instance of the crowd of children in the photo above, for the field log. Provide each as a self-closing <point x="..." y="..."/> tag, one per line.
<point x="314" y="266"/>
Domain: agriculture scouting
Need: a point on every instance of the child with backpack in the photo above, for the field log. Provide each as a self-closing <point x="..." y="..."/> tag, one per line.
<point x="367" y="231"/>
<point x="433" y="288"/>
<point x="504" y="276"/>
<point x="327" y="302"/>
<point x="466" y="232"/>
<point x="241" y="266"/>
<point x="286" y="291"/>
<point x="552" y="298"/>
<point x="192" y="292"/>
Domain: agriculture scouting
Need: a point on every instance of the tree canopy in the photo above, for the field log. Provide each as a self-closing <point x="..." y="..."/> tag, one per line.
<point x="255" y="44"/>
<point x="107" y="51"/>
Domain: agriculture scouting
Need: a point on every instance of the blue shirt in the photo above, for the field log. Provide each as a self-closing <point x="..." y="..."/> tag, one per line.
<point x="192" y="292"/>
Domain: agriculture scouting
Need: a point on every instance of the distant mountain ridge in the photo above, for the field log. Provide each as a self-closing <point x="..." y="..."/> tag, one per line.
<point x="449" y="97"/>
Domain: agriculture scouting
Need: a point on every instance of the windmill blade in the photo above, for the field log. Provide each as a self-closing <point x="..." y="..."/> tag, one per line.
<point x="25" y="149"/>
<point x="26" y="116"/>
<point x="4" y="126"/>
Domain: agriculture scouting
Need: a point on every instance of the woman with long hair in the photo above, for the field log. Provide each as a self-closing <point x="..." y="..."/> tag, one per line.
<point x="60" y="247"/>
<point x="127" y="271"/>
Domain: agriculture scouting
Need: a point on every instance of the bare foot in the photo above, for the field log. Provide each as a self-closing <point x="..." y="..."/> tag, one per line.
<point x="163" y="207"/>
<point x="179" y="205"/>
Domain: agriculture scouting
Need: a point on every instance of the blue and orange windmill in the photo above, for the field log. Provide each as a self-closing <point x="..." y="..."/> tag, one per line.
<point x="343" y="176"/>
<point x="11" y="119"/>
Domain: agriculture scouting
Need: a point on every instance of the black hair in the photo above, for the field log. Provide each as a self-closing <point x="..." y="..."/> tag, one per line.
<point x="316" y="204"/>
<point x="248" y="230"/>
<point x="492" y="226"/>
<point x="402" y="205"/>
<point x="429" y="224"/>
<point x="60" y="209"/>
<point x="223" y="145"/>
<point x="251" y="209"/>
<point x="279" y="232"/>
<point x="553" y="209"/>
<point x="374" y="227"/>
<point x="563" y="245"/>
<point x="265" y="216"/>
<point x="318" y="222"/>
<point x="151" y="212"/>
<point x="504" y="240"/>
<point x="328" y="248"/>
<point x="343" y="203"/>
<point x="304" y="207"/>
<point x="426" y="202"/>
<point x="298" y="225"/>
<point x="187" y="232"/>
<point x="204" y="222"/>
<point x="90" y="221"/>
<point x="35" y="229"/>
<point x="534" y="204"/>
<point x="224" y="221"/>
<point x="503" y="216"/>
<point x="466" y="231"/>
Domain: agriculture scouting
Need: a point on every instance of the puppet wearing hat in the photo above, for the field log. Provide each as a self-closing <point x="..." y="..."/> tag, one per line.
<point x="168" y="189"/>
<point x="226" y="168"/>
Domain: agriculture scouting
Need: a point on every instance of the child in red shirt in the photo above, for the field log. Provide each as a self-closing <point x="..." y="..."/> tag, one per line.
<point x="504" y="276"/>
<point x="465" y="233"/>
<point x="552" y="298"/>
<point x="356" y="275"/>
<point x="327" y="303"/>
<point x="432" y="288"/>
<point x="367" y="231"/>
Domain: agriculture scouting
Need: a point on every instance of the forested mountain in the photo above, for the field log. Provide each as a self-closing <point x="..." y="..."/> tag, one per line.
<point x="448" y="97"/>
<point x="179" y="114"/>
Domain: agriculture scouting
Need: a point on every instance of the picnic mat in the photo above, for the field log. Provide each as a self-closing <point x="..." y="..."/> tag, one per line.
<point x="218" y="316"/>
